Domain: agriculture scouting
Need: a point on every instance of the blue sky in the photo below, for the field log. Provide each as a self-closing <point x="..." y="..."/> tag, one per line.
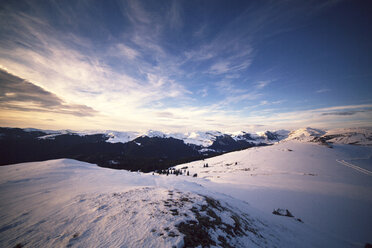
<point x="185" y="65"/>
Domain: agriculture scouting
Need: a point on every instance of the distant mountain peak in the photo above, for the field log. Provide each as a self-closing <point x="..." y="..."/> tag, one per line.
<point x="355" y="136"/>
<point x="305" y="134"/>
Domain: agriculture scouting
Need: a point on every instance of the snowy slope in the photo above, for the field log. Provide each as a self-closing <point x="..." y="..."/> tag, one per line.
<point x="358" y="136"/>
<point x="328" y="188"/>
<point x="61" y="203"/>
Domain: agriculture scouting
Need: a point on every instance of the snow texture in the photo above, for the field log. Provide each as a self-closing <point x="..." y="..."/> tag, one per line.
<point x="329" y="189"/>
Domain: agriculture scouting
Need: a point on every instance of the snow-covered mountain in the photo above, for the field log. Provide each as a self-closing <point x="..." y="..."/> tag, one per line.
<point x="112" y="136"/>
<point x="205" y="139"/>
<point x="122" y="137"/>
<point x="354" y="136"/>
<point x="152" y="150"/>
<point x="198" y="138"/>
<point x="305" y="134"/>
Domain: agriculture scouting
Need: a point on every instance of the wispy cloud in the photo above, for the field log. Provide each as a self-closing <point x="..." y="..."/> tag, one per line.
<point x="337" y="116"/>
<point x="125" y="51"/>
<point x="346" y="113"/>
<point x="262" y="84"/>
<point x="220" y="67"/>
<point x="136" y="12"/>
<point x="323" y="90"/>
<point x="228" y="88"/>
<point x="174" y="15"/>
<point x="203" y="92"/>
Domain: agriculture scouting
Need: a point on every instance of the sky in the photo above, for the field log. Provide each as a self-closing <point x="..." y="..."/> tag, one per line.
<point x="185" y="65"/>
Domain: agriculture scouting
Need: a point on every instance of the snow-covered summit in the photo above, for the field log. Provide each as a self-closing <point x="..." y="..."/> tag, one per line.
<point x="122" y="137"/>
<point x="199" y="138"/>
<point x="305" y="134"/>
<point x="153" y="133"/>
<point x="355" y="136"/>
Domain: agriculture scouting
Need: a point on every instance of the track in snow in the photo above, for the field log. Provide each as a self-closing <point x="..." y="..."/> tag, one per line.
<point x="365" y="171"/>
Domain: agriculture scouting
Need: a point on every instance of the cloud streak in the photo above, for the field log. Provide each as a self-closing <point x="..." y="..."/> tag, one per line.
<point x="262" y="84"/>
<point x="324" y="90"/>
<point x="19" y="94"/>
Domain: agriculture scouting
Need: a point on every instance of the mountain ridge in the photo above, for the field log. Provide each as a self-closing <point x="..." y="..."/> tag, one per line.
<point x="359" y="136"/>
<point x="153" y="150"/>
